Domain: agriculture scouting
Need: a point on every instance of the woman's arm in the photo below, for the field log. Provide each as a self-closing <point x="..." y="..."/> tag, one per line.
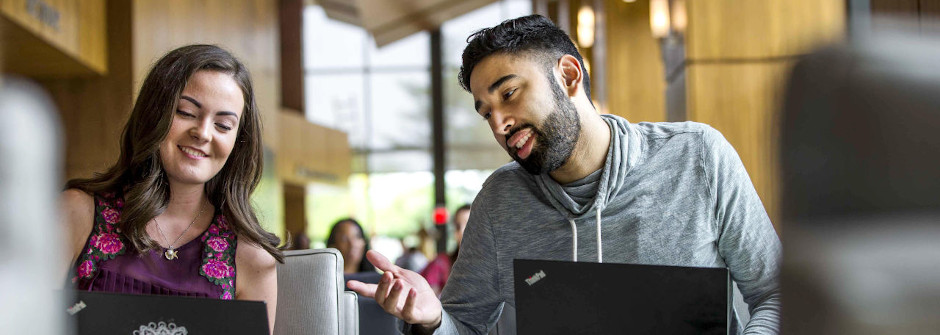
<point x="78" y="217"/>
<point x="256" y="277"/>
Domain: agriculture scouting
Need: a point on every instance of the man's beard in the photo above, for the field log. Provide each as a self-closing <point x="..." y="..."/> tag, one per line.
<point x="555" y="137"/>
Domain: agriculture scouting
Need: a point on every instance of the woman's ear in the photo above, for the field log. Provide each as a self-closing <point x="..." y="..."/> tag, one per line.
<point x="570" y="73"/>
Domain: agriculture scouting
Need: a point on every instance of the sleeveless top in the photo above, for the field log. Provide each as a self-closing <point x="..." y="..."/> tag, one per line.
<point x="205" y="267"/>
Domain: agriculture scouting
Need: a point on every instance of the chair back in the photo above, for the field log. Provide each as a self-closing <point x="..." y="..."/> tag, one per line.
<point x="310" y="296"/>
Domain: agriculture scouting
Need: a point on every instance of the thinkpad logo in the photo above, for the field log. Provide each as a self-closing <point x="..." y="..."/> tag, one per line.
<point x="535" y="278"/>
<point x="78" y="307"/>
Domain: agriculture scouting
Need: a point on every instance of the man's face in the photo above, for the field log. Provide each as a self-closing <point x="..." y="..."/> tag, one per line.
<point x="530" y="115"/>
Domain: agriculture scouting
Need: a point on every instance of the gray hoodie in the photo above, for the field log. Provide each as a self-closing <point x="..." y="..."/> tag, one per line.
<point x="668" y="194"/>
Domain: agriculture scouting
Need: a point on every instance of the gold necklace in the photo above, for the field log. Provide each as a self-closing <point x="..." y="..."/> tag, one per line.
<point x="170" y="252"/>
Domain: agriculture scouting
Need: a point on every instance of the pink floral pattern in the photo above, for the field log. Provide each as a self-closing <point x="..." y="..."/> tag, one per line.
<point x="111" y="216"/>
<point x="217" y="244"/>
<point x="218" y="261"/>
<point x="86" y="268"/>
<point x="106" y="242"/>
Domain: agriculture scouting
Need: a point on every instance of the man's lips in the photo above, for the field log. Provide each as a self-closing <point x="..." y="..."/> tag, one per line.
<point x="520" y="135"/>
<point x="521" y="142"/>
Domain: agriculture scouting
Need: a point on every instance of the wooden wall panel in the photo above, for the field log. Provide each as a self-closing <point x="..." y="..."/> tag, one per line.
<point x="93" y="110"/>
<point x="754" y="29"/>
<point x="54" y="38"/>
<point x="635" y="79"/>
<point x="295" y="221"/>
<point x="312" y="153"/>
<point x="739" y="54"/>
<point x="743" y="102"/>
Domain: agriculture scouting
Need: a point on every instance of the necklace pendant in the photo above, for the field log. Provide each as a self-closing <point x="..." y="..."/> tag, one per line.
<point x="170" y="254"/>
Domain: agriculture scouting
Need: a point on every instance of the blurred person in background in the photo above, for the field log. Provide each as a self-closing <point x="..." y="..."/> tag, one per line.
<point x="301" y="242"/>
<point x="173" y="214"/>
<point x="438" y="270"/>
<point x="412" y="258"/>
<point x="348" y="237"/>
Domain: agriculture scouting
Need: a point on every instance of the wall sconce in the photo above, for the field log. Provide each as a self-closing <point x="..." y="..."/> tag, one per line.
<point x="586" y="26"/>
<point x="678" y="16"/>
<point x="659" y="18"/>
<point x="666" y="17"/>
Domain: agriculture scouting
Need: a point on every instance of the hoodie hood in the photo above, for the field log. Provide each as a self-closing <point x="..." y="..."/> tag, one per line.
<point x="622" y="154"/>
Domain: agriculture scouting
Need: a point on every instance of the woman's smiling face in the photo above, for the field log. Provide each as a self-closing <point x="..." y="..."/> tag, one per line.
<point x="204" y="128"/>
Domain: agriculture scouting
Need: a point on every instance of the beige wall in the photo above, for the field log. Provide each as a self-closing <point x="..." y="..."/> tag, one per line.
<point x="739" y="54"/>
<point x="636" y="82"/>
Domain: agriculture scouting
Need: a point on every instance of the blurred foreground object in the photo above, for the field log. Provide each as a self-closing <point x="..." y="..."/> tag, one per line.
<point x="30" y="239"/>
<point x="861" y="189"/>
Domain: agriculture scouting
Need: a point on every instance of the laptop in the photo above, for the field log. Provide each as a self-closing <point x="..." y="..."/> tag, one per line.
<point x="114" y="313"/>
<point x="558" y="297"/>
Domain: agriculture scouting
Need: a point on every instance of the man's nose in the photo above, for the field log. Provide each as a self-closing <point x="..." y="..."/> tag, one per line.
<point x="502" y="123"/>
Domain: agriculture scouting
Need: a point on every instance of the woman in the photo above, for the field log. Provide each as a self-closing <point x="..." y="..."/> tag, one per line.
<point x="173" y="216"/>
<point x="438" y="270"/>
<point x="347" y="237"/>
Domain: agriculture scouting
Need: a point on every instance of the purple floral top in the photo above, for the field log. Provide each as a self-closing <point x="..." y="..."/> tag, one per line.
<point x="205" y="267"/>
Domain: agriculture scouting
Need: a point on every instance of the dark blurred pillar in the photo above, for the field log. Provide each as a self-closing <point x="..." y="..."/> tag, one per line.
<point x="438" y="130"/>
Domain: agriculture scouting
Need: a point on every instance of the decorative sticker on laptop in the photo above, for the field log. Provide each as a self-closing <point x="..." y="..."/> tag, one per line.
<point x="535" y="278"/>
<point x="161" y="328"/>
<point x="77" y="307"/>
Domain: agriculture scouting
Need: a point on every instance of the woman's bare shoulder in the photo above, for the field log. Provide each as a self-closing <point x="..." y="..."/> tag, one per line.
<point x="78" y="205"/>
<point x="254" y="257"/>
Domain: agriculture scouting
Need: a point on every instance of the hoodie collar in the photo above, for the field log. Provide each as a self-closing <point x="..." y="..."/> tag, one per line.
<point x="622" y="154"/>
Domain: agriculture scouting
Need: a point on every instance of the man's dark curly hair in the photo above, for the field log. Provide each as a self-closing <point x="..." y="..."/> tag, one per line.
<point x="534" y="35"/>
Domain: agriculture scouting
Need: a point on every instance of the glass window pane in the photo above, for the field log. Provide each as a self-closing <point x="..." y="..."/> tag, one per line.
<point x="336" y="101"/>
<point x="331" y="44"/>
<point x="399" y="203"/>
<point x="400" y="110"/>
<point x="516" y="8"/>
<point x="412" y="52"/>
<point x="470" y="142"/>
<point x="455" y="31"/>
<point x="400" y="161"/>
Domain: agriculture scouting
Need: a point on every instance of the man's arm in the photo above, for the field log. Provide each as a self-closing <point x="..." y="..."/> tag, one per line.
<point x="747" y="242"/>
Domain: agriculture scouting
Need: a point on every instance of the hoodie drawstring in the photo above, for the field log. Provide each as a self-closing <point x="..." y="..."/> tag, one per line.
<point x="574" y="239"/>
<point x="600" y="243"/>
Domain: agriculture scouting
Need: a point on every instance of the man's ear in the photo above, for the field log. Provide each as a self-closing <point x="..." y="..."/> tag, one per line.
<point x="570" y="73"/>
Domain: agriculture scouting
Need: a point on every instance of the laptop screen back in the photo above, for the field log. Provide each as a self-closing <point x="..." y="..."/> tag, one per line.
<point x="555" y="297"/>
<point x="113" y="313"/>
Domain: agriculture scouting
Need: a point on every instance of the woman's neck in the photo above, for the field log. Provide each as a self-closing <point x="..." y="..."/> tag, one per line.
<point x="186" y="200"/>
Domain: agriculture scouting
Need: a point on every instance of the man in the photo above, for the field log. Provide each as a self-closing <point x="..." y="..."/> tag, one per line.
<point x="584" y="187"/>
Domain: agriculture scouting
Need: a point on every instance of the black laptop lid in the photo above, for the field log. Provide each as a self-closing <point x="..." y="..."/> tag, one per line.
<point x="113" y="313"/>
<point x="555" y="297"/>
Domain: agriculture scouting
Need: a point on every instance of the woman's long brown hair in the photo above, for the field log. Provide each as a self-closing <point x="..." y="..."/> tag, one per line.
<point x="139" y="175"/>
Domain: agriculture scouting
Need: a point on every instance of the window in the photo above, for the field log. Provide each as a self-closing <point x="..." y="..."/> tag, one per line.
<point x="472" y="153"/>
<point x="381" y="98"/>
